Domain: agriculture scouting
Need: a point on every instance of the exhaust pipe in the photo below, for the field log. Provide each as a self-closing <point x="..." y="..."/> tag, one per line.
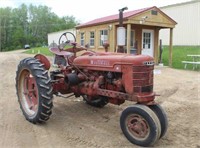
<point x="121" y="31"/>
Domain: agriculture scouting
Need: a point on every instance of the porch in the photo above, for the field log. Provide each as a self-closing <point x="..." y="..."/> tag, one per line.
<point x="142" y="32"/>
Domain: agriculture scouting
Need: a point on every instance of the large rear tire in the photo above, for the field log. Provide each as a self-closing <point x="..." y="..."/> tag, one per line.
<point x="34" y="90"/>
<point x="140" y="125"/>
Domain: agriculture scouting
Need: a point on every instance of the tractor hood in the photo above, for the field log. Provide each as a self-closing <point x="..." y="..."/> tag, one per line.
<point x="112" y="61"/>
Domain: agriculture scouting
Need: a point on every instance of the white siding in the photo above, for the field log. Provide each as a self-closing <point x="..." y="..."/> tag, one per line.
<point x="187" y="31"/>
<point x="54" y="37"/>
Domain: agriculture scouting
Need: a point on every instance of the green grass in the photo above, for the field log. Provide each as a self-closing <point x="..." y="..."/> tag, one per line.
<point x="41" y="50"/>
<point x="180" y="54"/>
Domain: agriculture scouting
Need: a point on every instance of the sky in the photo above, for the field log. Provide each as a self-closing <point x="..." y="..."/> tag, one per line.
<point x="87" y="10"/>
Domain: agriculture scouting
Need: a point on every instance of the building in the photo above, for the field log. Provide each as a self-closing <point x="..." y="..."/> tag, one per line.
<point x="54" y="36"/>
<point x="142" y="31"/>
<point x="187" y="31"/>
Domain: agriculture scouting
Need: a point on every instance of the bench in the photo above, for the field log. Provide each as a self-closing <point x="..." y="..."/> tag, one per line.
<point x="191" y="62"/>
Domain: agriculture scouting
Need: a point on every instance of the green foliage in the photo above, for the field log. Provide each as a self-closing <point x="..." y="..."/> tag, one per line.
<point x="180" y="54"/>
<point x="41" y="50"/>
<point x="30" y="25"/>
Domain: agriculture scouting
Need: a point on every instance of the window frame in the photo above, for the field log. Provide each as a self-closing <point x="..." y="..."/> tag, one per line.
<point x="104" y="36"/>
<point x="82" y="38"/>
<point x="92" y="39"/>
<point x="132" y="38"/>
<point x="146" y="40"/>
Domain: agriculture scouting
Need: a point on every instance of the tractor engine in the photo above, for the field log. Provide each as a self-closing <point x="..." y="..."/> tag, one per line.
<point x="117" y="78"/>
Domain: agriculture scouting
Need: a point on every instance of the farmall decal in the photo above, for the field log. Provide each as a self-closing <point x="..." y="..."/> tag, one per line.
<point x="100" y="62"/>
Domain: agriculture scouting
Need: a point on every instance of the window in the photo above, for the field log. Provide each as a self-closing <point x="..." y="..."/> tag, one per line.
<point x="82" y="39"/>
<point x="146" y="40"/>
<point x="103" y="36"/>
<point x="92" y="38"/>
<point x="154" y="12"/>
<point x="132" y="38"/>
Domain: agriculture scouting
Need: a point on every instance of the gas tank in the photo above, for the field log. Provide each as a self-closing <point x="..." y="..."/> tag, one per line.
<point x="111" y="61"/>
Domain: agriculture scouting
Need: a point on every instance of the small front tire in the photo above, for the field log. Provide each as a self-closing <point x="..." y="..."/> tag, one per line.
<point x="140" y="125"/>
<point x="162" y="116"/>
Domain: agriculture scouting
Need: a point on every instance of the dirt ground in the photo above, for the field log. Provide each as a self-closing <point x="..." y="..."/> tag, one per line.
<point x="74" y="124"/>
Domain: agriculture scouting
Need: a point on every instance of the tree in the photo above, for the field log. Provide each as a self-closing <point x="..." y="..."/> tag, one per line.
<point x="30" y="25"/>
<point x="5" y="23"/>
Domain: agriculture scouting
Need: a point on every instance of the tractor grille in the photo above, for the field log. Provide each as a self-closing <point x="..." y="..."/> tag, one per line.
<point x="143" y="79"/>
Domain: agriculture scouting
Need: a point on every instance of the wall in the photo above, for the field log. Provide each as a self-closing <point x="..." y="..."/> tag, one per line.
<point x="112" y="37"/>
<point x="187" y="31"/>
<point x="54" y="37"/>
<point x="96" y="29"/>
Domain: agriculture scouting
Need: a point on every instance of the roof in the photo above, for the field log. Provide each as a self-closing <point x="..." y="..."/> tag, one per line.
<point x="114" y="17"/>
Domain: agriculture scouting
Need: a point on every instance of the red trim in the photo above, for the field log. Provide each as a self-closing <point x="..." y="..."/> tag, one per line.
<point x="114" y="17"/>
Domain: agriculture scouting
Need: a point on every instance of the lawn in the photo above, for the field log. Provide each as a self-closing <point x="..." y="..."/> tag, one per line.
<point x="41" y="50"/>
<point x="180" y="54"/>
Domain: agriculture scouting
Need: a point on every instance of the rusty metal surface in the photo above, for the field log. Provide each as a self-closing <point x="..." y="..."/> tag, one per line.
<point x="43" y="60"/>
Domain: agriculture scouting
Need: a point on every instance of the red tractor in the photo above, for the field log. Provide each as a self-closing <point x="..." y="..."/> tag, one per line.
<point x="100" y="78"/>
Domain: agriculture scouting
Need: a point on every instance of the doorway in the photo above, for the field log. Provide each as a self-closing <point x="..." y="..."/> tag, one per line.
<point x="147" y="42"/>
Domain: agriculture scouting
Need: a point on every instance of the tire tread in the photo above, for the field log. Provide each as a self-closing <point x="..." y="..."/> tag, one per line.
<point x="44" y="89"/>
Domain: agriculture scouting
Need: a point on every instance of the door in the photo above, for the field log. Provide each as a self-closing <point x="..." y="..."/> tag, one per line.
<point x="147" y="42"/>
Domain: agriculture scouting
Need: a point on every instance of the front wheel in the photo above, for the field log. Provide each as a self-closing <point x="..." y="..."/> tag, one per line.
<point x="140" y="125"/>
<point x="34" y="90"/>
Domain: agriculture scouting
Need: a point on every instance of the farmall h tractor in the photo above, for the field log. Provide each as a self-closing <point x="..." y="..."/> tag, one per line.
<point x="99" y="78"/>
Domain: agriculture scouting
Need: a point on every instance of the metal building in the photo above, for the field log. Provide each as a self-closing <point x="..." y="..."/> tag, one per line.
<point x="54" y="36"/>
<point x="187" y="30"/>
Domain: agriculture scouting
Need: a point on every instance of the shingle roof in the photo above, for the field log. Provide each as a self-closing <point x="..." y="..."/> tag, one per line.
<point x="114" y="17"/>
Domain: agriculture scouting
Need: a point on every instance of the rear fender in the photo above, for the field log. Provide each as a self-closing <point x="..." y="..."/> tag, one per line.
<point x="43" y="59"/>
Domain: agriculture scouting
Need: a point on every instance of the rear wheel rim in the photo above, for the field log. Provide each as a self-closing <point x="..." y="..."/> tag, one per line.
<point x="137" y="127"/>
<point x="28" y="93"/>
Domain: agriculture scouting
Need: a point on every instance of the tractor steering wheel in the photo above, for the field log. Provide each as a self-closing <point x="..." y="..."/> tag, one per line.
<point x="66" y="38"/>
